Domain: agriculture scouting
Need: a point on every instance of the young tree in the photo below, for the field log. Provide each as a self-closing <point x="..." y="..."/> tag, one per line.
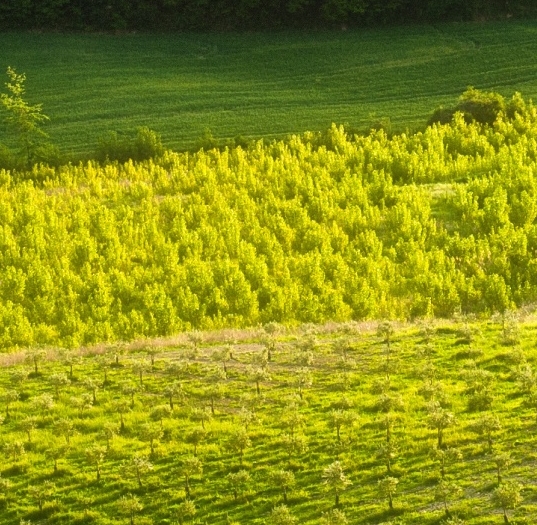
<point x="58" y="381"/>
<point x="191" y="466"/>
<point x="507" y="496"/>
<point x="334" y="517"/>
<point x="200" y="415"/>
<point x="294" y="444"/>
<point x="8" y="398"/>
<point x="95" y="456"/>
<point x="35" y="356"/>
<point x="28" y="425"/>
<point x="239" y="441"/>
<point x="5" y="488"/>
<point x="129" y="505"/>
<point x="151" y="433"/>
<point x="42" y="403"/>
<point x="445" y="492"/>
<point x="238" y="481"/>
<point x="258" y="374"/>
<point x="91" y="386"/>
<point x="281" y="515"/>
<point x="439" y="419"/>
<point x="108" y="431"/>
<point x="335" y="479"/>
<point x="42" y="492"/>
<point x="25" y="119"/>
<point x="69" y="358"/>
<point x="159" y="413"/>
<point x="444" y="456"/>
<point x="140" y="367"/>
<point x="339" y="419"/>
<point x="196" y="437"/>
<point x="14" y="449"/>
<point x="138" y="466"/>
<point x="387" y="452"/>
<point x="129" y="389"/>
<point x="387" y="488"/>
<point x="185" y="511"/>
<point x="502" y="461"/>
<point x="121" y="406"/>
<point x="304" y="380"/>
<point x="55" y="451"/>
<point x="283" y="479"/>
<point x="65" y="428"/>
<point x="485" y="426"/>
<point x="173" y="390"/>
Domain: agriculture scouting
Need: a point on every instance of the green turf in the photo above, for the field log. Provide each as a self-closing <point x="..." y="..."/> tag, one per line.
<point x="263" y="84"/>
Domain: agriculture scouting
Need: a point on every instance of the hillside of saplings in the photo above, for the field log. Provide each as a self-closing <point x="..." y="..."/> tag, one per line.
<point x="320" y="227"/>
<point x="425" y="423"/>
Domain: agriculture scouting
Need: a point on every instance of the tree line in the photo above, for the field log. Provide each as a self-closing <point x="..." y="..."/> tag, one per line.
<point x="244" y="14"/>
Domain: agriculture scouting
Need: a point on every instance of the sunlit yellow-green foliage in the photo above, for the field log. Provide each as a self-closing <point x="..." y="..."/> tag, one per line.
<point x="314" y="228"/>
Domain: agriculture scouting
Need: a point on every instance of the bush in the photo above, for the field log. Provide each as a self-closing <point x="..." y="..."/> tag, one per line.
<point x="145" y="145"/>
<point x="475" y="105"/>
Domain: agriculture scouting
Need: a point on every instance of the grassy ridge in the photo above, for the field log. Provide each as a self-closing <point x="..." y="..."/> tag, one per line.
<point x="263" y="84"/>
<point x="441" y="355"/>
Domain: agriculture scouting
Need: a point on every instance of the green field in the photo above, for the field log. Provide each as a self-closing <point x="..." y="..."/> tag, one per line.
<point x="263" y="84"/>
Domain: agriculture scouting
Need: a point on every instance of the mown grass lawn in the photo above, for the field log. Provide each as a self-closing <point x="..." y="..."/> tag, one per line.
<point x="263" y="84"/>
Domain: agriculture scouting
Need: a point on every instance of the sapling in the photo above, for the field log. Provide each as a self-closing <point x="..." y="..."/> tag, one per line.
<point x="196" y="437"/>
<point x="502" y="461"/>
<point x="138" y="467"/>
<point x="41" y="492"/>
<point x="121" y="406"/>
<point x="258" y="374"/>
<point x="129" y="389"/>
<point x="151" y="433"/>
<point x="335" y="479"/>
<point x="239" y="442"/>
<point x="65" y="427"/>
<point x="387" y="487"/>
<point x="129" y="505"/>
<point x="35" y="356"/>
<point x="25" y="119"/>
<point x="387" y="452"/>
<point x="445" y="456"/>
<point x="91" y="386"/>
<point x="339" y="419"/>
<point x="281" y="515"/>
<point x="108" y="431"/>
<point x="294" y="444"/>
<point x="185" y="511"/>
<point x="486" y="426"/>
<point x="159" y="413"/>
<point x="334" y="517"/>
<point x="304" y="380"/>
<point x="140" y="367"/>
<point x="507" y="496"/>
<point x="28" y="425"/>
<point x="173" y="390"/>
<point x="58" y="381"/>
<point x="283" y="479"/>
<point x="439" y="419"/>
<point x="445" y="492"/>
<point x="192" y="466"/>
<point x="238" y="481"/>
<point x="8" y="398"/>
<point x="95" y="456"/>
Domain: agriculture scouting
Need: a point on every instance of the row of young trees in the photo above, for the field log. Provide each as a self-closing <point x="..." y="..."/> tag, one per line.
<point x="243" y="14"/>
<point x="115" y="418"/>
<point x="315" y="228"/>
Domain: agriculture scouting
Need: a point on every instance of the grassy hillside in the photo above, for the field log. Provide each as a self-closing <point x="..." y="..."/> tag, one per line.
<point x="258" y="84"/>
<point x="64" y="447"/>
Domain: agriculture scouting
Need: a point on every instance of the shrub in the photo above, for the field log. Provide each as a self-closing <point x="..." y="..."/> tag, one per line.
<point x="144" y="145"/>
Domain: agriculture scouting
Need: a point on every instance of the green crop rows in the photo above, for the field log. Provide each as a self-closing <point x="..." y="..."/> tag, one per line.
<point x="263" y="84"/>
<point x="262" y="401"/>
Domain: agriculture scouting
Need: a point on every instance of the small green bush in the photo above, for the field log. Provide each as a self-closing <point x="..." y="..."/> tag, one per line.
<point x="475" y="105"/>
<point x="144" y="145"/>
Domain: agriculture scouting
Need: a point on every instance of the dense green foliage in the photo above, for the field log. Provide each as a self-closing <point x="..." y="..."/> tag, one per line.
<point x="243" y="14"/>
<point x="319" y="227"/>
<point x="261" y="84"/>
<point x="165" y="434"/>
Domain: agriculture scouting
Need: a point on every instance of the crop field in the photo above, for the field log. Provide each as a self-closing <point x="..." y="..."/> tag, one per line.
<point x="223" y="427"/>
<point x="263" y="84"/>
